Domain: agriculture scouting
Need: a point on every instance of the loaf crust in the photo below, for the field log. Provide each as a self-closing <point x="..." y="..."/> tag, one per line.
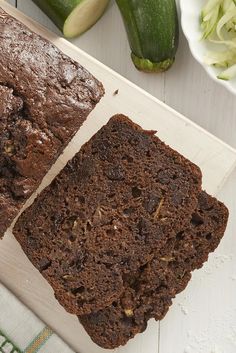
<point x="44" y="99"/>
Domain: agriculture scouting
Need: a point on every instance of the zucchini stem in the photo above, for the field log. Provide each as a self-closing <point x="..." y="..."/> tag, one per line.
<point x="148" y="66"/>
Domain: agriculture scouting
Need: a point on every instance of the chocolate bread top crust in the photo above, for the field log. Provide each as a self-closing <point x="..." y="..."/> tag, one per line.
<point x="149" y="292"/>
<point x="115" y="203"/>
<point x="44" y="99"/>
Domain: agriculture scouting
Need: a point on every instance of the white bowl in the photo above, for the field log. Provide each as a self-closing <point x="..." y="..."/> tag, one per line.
<point x="190" y="15"/>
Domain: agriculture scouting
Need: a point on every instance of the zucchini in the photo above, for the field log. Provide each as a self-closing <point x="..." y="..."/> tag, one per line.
<point x="218" y="23"/>
<point x="73" y="17"/>
<point x="153" y="32"/>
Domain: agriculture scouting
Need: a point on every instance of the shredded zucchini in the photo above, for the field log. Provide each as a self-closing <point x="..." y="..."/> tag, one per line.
<point x="218" y="23"/>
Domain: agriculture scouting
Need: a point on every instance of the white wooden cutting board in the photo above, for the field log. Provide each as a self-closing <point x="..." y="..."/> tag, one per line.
<point x="215" y="158"/>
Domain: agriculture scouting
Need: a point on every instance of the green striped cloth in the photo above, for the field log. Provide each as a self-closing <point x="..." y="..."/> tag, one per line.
<point x="22" y="332"/>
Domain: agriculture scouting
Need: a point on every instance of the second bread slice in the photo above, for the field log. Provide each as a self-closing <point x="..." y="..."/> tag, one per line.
<point x="149" y="292"/>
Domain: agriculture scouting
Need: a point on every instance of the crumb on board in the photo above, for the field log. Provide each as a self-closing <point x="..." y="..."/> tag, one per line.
<point x="116" y="92"/>
<point x="183" y="309"/>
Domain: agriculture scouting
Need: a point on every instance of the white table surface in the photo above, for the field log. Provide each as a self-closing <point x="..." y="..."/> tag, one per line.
<point x="203" y="318"/>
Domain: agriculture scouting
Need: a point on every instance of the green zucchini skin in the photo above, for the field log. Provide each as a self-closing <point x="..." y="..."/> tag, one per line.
<point x="153" y="32"/>
<point x="57" y="10"/>
<point x="73" y="17"/>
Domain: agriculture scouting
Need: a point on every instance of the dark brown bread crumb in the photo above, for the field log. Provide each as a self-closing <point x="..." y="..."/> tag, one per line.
<point x="149" y="293"/>
<point x="115" y="204"/>
<point x="44" y="99"/>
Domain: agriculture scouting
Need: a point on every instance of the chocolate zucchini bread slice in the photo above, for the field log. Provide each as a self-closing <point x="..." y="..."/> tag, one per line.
<point x="44" y="99"/>
<point x="148" y="293"/>
<point x="112" y="207"/>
